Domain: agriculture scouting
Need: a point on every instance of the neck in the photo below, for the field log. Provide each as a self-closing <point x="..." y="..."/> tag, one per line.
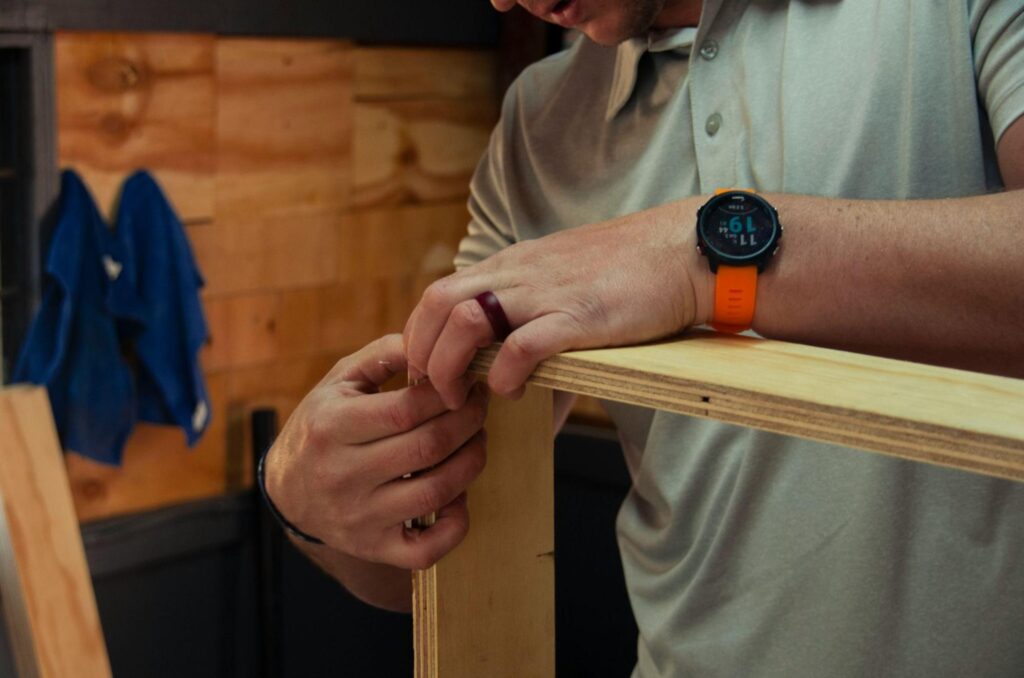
<point x="679" y="13"/>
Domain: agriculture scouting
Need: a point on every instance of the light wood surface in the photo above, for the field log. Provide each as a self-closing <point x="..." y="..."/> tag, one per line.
<point x="48" y="601"/>
<point x="130" y="100"/>
<point x="487" y="609"/>
<point x="418" y="151"/>
<point x="284" y="124"/>
<point x="965" y="420"/>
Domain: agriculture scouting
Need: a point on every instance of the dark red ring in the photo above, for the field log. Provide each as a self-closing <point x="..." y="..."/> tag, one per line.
<point x="495" y="315"/>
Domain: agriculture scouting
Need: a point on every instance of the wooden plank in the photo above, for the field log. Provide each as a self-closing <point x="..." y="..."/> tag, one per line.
<point x="284" y="127"/>
<point x="396" y="73"/>
<point x="126" y="101"/>
<point x="418" y="151"/>
<point x="954" y="418"/>
<point x="392" y="242"/>
<point x="258" y="254"/>
<point x="487" y="609"/>
<point x="48" y="601"/>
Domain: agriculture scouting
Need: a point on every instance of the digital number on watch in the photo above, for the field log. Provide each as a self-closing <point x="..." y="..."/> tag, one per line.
<point x="738" y="227"/>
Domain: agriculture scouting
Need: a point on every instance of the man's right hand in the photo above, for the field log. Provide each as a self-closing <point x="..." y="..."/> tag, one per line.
<point x="337" y="469"/>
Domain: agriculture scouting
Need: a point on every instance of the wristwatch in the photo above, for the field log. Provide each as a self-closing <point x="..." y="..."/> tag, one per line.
<point x="739" y="232"/>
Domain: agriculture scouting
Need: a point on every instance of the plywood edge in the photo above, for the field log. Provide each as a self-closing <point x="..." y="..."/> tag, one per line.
<point x="965" y="420"/>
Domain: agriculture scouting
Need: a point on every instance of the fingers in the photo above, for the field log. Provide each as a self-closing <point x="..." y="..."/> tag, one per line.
<point x="416" y="549"/>
<point x="430" y="443"/>
<point x="406" y="498"/>
<point x="529" y="345"/>
<point x="466" y="330"/>
<point x="429" y="317"/>
<point x="369" y="367"/>
<point x="382" y="415"/>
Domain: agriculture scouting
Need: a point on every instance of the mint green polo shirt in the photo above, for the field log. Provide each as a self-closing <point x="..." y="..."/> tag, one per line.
<point x="748" y="553"/>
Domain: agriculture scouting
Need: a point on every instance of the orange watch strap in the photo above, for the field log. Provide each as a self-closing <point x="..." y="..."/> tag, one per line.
<point x="735" y="293"/>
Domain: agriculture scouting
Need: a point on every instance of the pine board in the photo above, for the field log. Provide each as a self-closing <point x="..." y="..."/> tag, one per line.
<point x="48" y="601"/>
<point x="487" y="608"/>
<point x="965" y="420"/>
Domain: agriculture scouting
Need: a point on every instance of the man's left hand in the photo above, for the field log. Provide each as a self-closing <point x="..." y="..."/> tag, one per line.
<point x="618" y="282"/>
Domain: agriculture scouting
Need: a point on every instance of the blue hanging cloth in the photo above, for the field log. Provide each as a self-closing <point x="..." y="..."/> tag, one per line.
<point x="156" y="301"/>
<point x="72" y="346"/>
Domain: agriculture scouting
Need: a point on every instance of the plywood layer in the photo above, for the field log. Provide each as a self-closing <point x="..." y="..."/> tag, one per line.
<point x="954" y="418"/>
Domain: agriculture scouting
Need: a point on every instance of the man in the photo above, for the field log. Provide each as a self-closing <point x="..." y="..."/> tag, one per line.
<point x="883" y="133"/>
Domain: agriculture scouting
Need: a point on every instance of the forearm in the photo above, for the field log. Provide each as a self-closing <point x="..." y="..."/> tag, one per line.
<point x="382" y="586"/>
<point x="936" y="281"/>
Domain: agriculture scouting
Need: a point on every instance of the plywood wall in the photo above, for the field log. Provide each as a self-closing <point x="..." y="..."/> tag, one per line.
<point x="322" y="185"/>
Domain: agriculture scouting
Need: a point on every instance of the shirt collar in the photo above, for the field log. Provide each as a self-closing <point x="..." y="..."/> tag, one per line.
<point x="628" y="56"/>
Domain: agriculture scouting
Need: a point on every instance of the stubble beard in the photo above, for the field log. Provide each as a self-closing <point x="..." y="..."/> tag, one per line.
<point x="641" y="15"/>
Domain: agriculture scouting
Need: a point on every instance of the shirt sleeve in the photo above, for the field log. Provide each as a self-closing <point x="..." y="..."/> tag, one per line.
<point x="490" y="227"/>
<point x="997" y="32"/>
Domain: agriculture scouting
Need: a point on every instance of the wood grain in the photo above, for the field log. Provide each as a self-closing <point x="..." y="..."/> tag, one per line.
<point x="48" y="601"/>
<point x="393" y="242"/>
<point x="418" y="151"/>
<point x="127" y="101"/>
<point x="487" y="608"/>
<point x="284" y="127"/>
<point x="954" y="418"/>
<point x="403" y="73"/>
<point x="267" y="254"/>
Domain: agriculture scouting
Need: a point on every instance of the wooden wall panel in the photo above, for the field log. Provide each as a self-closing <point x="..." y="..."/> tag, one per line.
<point x="126" y="101"/>
<point x="401" y="241"/>
<point x="266" y="254"/>
<point x="418" y="151"/>
<point x="283" y="127"/>
<point x="402" y="73"/>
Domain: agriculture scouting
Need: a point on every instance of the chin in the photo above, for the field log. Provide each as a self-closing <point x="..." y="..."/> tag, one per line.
<point x="606" y="33"/>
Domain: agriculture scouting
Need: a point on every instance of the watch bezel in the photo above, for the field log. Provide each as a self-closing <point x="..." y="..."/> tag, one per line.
<point x="716" y="257"/>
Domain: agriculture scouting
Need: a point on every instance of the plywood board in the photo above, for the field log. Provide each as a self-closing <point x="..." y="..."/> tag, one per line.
<point x="48" y="601"/>
<point x="284" y="127"/>
<point x="392" y="242"/>
<point x="404" y="73"/>
<point x="964" y="420"/>
<point x="487" y="608"/>
<point x="260" y="254"/>
<point x="129" y="100"/>
<point x="418" y="151"/>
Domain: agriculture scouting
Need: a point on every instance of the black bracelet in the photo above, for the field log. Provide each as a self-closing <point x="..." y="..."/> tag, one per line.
<point x="285" y="523"/>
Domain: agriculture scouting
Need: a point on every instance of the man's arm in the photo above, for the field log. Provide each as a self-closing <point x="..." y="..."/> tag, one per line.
<point x="928" y="280"/>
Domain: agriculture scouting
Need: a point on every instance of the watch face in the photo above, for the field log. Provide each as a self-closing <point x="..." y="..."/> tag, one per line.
<point x="738" y="226"/>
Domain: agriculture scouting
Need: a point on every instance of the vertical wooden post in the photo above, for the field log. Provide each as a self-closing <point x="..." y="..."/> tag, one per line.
<point x="48" y="599"/>
<point x="488" y="608"/>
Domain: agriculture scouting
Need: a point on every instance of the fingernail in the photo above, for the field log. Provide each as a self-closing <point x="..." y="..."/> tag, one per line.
<point x="415" y="376"/>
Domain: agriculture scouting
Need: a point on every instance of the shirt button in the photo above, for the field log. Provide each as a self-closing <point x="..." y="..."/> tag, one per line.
<point x="709" y="50"/>
<point x="713" y="124"/>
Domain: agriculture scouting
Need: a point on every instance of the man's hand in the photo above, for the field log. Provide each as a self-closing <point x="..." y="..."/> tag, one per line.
<point x="336" y="471"/>
<point x="619" y="282"/>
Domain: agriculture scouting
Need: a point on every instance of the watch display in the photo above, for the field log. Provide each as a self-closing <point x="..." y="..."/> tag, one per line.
<point x="738" y="228"/>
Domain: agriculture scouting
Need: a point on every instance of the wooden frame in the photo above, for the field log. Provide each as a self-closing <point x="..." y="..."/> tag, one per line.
<point x="969" y="421"/>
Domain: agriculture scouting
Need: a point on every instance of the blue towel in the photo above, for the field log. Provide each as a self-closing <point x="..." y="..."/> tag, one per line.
<point x="156" y="300"/>
<point x="72" y="346"/>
